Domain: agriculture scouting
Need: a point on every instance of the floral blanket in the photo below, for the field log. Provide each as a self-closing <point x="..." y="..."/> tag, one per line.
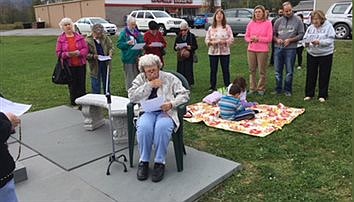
<point x="269" y="119"/>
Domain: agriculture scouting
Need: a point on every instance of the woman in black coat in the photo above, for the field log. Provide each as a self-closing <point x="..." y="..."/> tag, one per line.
<point x="8" y="122"/>
<point x="185" y="54"/>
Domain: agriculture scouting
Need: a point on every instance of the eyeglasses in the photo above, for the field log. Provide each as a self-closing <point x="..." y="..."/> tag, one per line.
<point x="183" y="30"/>
<point x="66" y="24"/>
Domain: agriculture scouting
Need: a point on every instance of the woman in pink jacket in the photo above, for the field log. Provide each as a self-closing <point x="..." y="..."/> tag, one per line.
<point x="72" y="47"/>
<point x="259" y="34"/>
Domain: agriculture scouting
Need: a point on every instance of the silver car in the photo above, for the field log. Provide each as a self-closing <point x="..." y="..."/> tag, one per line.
<point x="237" y="18"/>
<point x="340" y="15"/>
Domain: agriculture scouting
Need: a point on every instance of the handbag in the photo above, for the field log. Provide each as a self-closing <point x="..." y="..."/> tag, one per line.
<point x="195" y="57"/>
<point x="61" y="73"/>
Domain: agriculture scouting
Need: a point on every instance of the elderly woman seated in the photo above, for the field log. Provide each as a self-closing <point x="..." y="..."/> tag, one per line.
<point x="156" y="127"/>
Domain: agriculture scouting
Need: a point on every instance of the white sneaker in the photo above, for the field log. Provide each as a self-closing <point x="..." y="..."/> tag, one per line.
<point x="321" y="99"/>
<point x="307" y="98"/>
<point x="298" y="67"/>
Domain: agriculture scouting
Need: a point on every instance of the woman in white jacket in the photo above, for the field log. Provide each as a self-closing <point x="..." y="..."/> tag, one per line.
<point x="319" y="41"/>
<point x="156" y="127"/>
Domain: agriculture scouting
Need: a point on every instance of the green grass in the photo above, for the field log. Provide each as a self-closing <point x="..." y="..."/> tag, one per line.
<point x="308" y="160"/>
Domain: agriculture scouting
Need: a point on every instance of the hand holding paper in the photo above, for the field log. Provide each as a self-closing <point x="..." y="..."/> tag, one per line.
<point x="103" y="58"/>
<point x="6" y="106"/>
<point x="138" y="46"/>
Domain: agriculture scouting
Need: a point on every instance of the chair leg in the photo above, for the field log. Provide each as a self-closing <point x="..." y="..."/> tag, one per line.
<point x="178" y="147"/>
<point x="131" y="135"/>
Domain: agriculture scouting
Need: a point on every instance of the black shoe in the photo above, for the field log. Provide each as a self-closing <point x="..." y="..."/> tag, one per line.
<point x="211" y="89"/>
<point x="158" y="172"/>
<point x="143" y="171"/>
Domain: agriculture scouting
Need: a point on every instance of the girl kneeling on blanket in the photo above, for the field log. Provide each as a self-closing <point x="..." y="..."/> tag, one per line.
<point x="231" y="107"/>
<point x="241" y="82"/>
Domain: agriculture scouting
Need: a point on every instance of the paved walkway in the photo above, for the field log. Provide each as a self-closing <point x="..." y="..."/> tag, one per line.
<point x="65" y="162"/>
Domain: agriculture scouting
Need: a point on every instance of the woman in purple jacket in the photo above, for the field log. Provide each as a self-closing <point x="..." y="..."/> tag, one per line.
<point x="72" y="47"/>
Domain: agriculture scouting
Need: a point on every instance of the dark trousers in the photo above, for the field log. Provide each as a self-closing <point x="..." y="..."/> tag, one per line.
<point x="185" y="68"/>
<point x="271" y="62"/>
<point x="299" y="51"/>
<point x="77" y="87"/>
<point x="321" y="66"/>
<point x="225" y="66"/>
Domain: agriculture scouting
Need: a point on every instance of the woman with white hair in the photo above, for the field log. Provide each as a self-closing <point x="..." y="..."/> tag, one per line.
<point x="156" y="127"/>
<point x="72" y="47"/>
<point x="99" y="44"/>
<point x="126" y="40"/>
<point x="185" y="54"/>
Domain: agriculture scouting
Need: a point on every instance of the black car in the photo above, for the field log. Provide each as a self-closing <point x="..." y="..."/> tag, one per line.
<point x="189" y="19"/>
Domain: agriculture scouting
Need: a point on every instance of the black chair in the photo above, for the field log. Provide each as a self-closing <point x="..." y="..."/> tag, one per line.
<point x="177" y="137"/>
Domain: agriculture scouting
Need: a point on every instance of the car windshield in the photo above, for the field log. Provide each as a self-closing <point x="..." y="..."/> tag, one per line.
<point x="98" y="21"/>
<point x="161" y="15"/>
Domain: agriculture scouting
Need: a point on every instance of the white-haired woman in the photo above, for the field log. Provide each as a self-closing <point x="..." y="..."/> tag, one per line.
<point x="126" y="40"/>
<point x="185" y="54"/>
<point x="156" y="127"/>
<point x="72" y="47"/>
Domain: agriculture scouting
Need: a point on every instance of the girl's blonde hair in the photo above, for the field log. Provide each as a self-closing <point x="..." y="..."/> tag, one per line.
<point x="263" y="10"/>
<point x="223" y="22"/>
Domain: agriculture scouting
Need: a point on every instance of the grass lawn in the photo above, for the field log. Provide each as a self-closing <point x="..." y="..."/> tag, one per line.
<point x="308" y="160"/>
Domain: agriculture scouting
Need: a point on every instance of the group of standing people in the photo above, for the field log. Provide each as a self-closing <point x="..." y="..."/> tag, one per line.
<point x="288" y="36"/>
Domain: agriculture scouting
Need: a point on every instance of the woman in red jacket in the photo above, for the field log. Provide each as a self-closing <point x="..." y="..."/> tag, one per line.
<point x="155" y="42"/>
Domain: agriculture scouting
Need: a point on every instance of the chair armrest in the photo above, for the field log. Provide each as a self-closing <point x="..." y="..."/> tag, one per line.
<point x="182" y="110"/>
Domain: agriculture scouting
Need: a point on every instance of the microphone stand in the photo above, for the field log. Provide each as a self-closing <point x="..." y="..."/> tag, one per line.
<point x="112" y="157"/>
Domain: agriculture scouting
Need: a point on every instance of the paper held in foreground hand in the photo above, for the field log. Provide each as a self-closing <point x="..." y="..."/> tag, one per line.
<point x="138" y="46"/>
<point x="16" y="108"/>
<point x="156" y="44"/>
<point x="152" y="104"/>
<point x="104" y="58"/>
<point x="181" y="45"/>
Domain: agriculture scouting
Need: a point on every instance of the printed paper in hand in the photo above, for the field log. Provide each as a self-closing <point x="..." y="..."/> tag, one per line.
<point x="16" y="108"/>
<point x="138" y="46"/>
<point x="103" y="58"/>
<point x="156" y="44"/>
<point x="152" y="104"/>
<point x="181" y="45"/>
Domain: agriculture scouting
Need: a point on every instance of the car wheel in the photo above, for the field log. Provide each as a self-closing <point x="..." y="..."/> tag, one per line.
<point x="77" y="29"/>
<point x="162" y="29"/>
<point x="342" y="31"/>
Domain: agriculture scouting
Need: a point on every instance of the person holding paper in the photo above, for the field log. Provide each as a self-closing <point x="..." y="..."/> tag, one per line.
<point x="185" y="52"/>
<point x="72" y="47"/>
<point x="319" y="41"/>
<point x="156" y="127"/>
<point x="126" y="41"/>
<point x="99" y="45"/>
<point x="8" y="121"/>
<point x="155" y="42"/>
<point x="219" y="38"/>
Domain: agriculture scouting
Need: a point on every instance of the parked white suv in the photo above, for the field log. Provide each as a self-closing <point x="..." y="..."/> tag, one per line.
<point x="84" y="25"/>
<point x="340" y="15"/>
<point x="166" y="22"/>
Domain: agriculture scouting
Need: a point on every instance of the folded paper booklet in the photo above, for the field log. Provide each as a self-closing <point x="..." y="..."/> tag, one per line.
<point x="156" y="44"/>
<point x="103" y="58"/>
<point x="181" y="45"/>
<point x="138" y="46"/>
<point x="152" y="105"/>
<point x="16" y="108"/>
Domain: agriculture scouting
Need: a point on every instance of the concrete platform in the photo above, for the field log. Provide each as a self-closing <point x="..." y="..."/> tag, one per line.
<point x="48" y="181"/>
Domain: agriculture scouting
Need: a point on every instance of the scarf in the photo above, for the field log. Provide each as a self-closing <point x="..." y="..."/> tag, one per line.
<point x="135" y="33"/>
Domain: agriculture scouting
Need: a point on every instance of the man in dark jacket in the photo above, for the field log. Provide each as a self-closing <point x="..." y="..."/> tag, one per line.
<point x="8" y="122"/>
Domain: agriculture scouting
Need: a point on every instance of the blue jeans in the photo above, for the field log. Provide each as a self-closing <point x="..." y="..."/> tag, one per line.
<point x="244" y="115"/>
<point x="154" y="128"/>
<point x="8" y="193"/>
<point x="101" y="77"/>
<point x="284" y="56"/>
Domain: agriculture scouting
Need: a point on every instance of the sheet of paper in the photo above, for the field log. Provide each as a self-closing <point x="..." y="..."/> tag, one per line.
<point x="152" y="104"/>
<point x="156" y="44"/>
<point x="138" y="46"/>
<point x="181" y="45"/>
<point x="103" y="58"/>
<point x="16" y="108"/>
